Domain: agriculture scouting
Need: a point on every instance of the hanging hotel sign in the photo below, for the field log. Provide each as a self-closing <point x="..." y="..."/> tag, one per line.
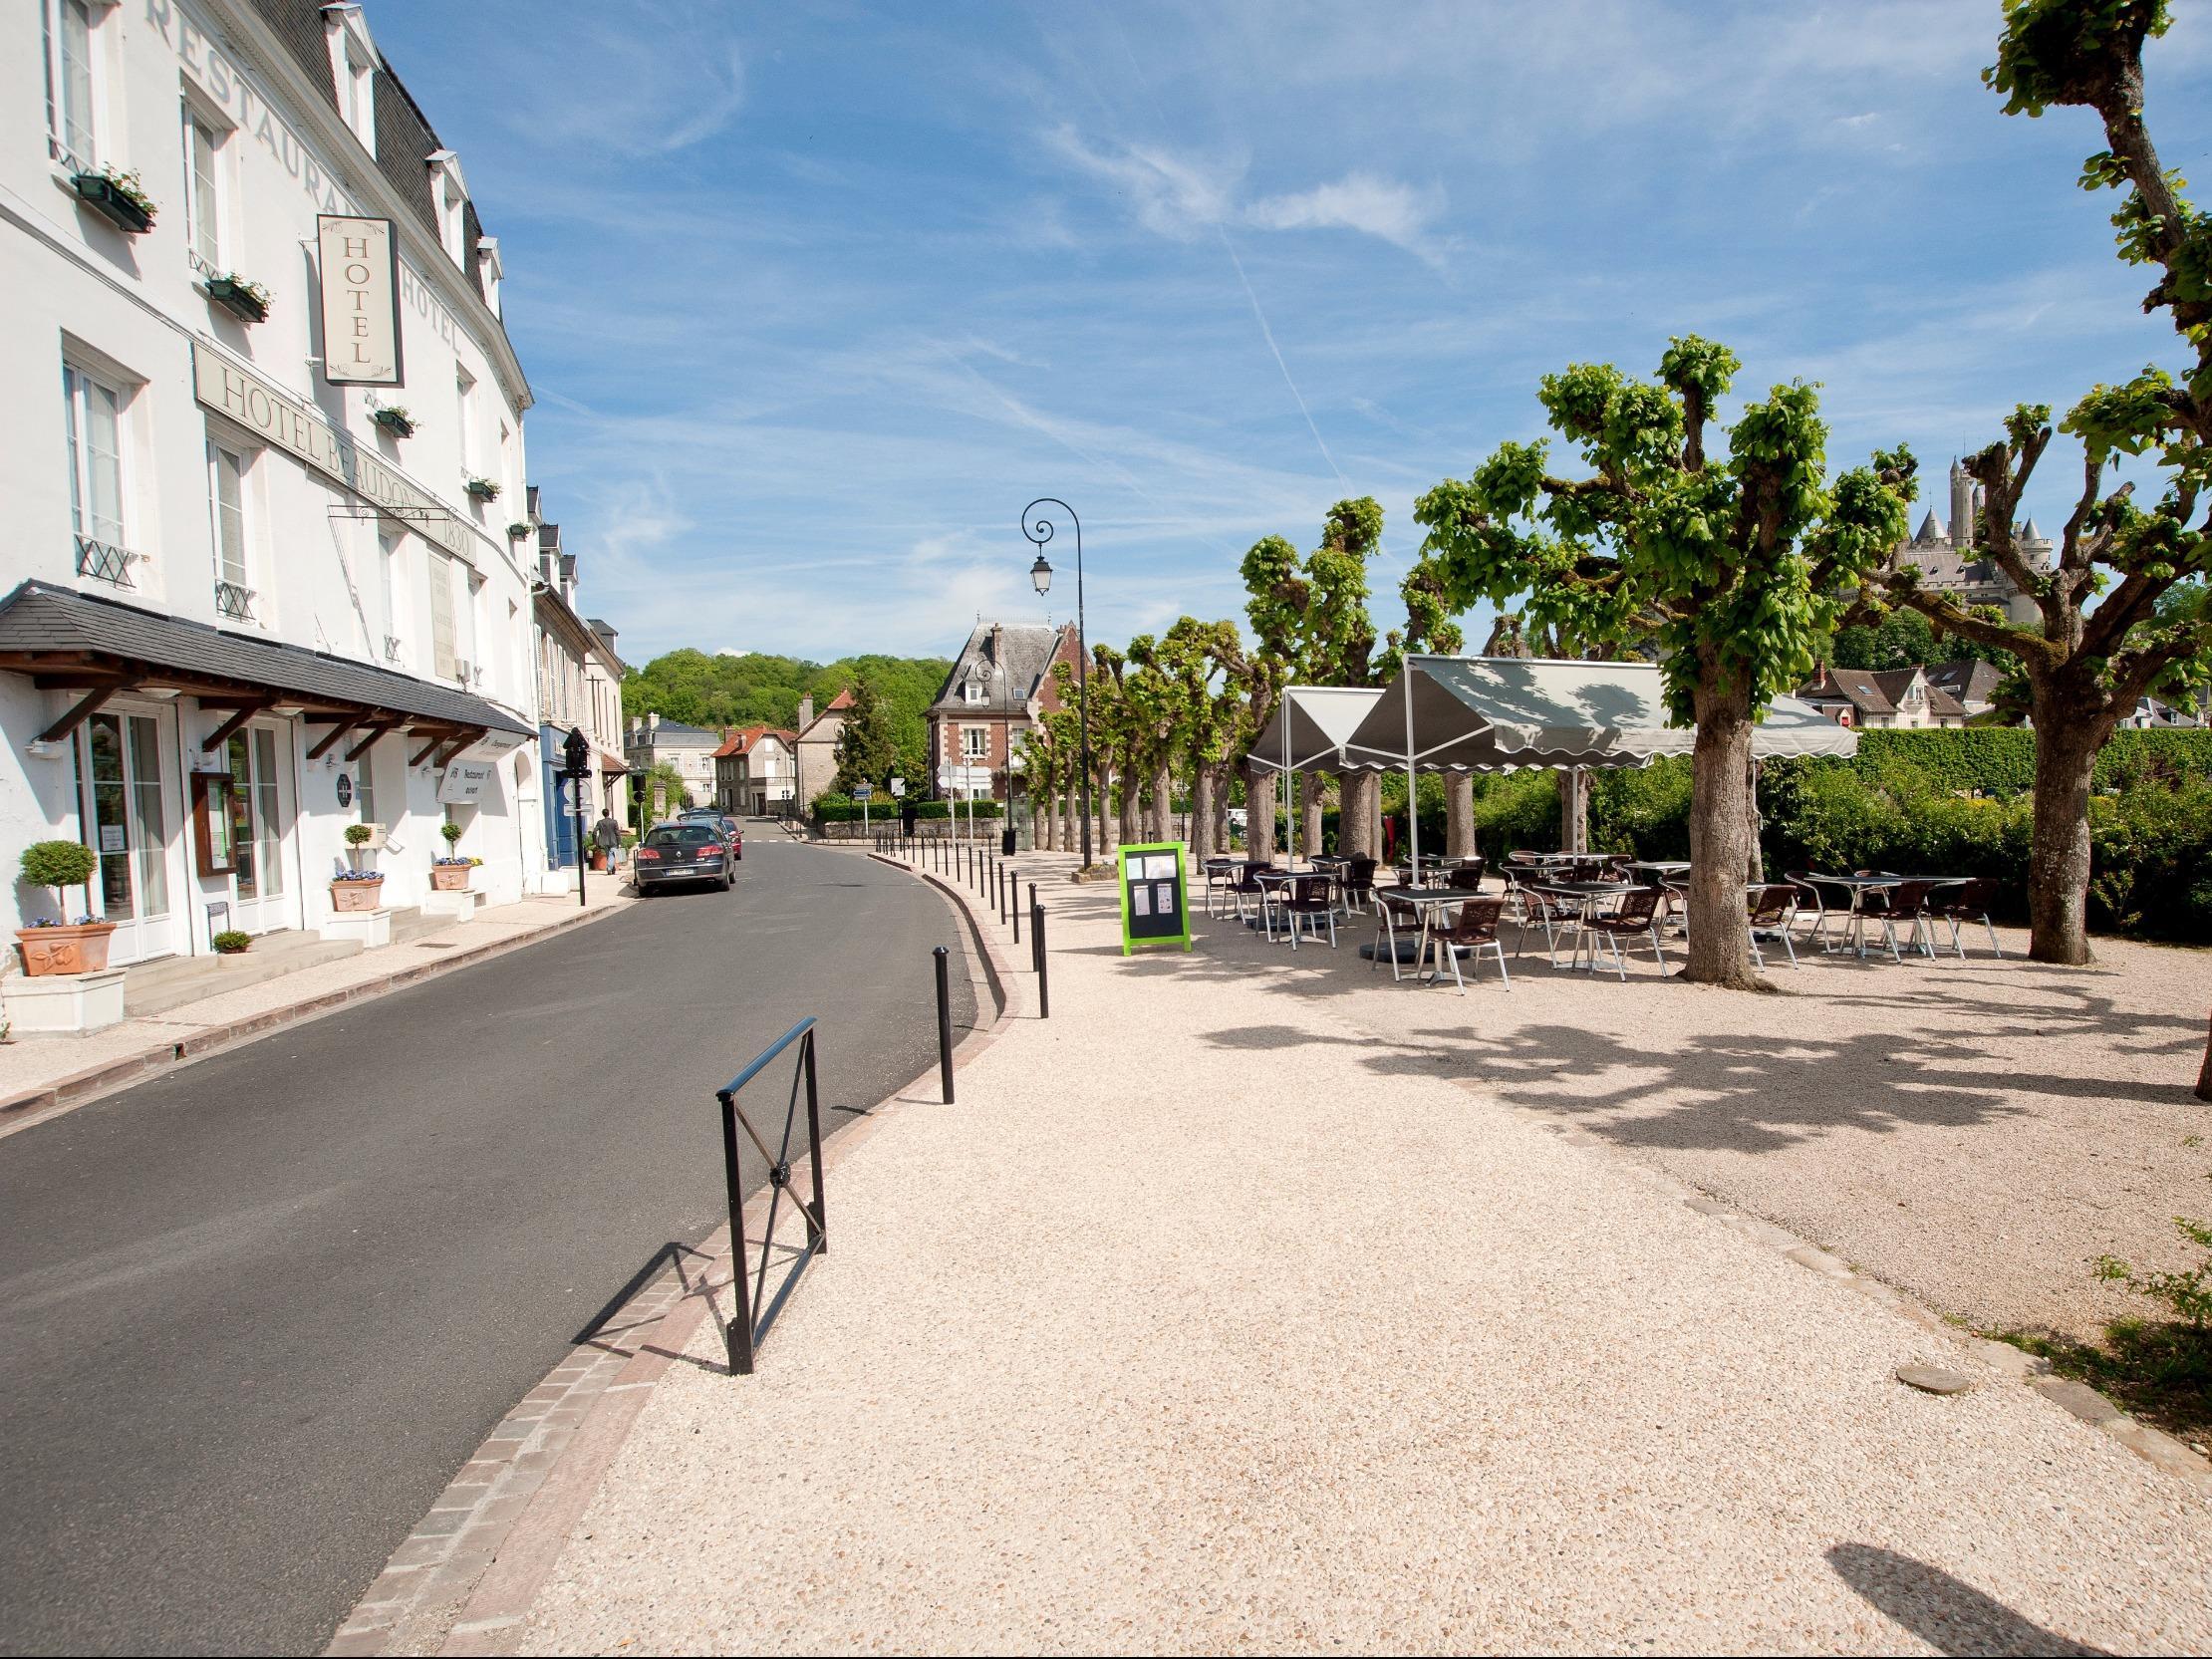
<point x="361" y="301"/>
<point x="262" y="410"/>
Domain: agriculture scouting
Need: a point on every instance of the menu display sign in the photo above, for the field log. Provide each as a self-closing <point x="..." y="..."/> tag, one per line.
<point x="1155" y="896"/>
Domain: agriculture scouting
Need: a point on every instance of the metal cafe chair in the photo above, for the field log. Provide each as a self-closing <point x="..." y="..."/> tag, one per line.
<point x="1474" y="929"/>
<point x="1809" y="902"/>
<point x="1221" y="877"/>
<point x="1635" y="914"/>
<point x="1906" y="901"/>
<point x="1968" y="901"/>
<point x="1308" y="900"/>
<point x="1768" y="910"/>
<point x="1555" y="914"/>
<point x="1393" y="916"/>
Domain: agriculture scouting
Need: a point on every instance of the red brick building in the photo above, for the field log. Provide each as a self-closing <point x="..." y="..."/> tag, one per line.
<point x="1000" y="683"/>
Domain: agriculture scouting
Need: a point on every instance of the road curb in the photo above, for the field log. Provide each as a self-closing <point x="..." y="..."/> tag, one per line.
<point x="36" y="1105"/>
<point x="465" y="1580"/>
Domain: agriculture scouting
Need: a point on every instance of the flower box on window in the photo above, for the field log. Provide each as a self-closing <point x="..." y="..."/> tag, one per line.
<point x="118" y="197"/>
<point x="247" y="301"/>
<point x="394" y="420"/>
<point x="517" y="531"/>
<point x="484" y="489"/>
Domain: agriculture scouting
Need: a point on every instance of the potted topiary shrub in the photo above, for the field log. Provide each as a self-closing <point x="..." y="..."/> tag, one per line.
<point x="63" y="946"/>
<point x="355" y="887"/>
<point x="450" y="873"/>
<point x="231" y="943"/>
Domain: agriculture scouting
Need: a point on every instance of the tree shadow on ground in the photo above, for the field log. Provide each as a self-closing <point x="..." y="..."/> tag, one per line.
<point x="1947" y="1613"/>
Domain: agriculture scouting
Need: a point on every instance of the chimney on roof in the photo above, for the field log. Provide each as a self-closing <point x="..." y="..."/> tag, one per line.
<point x="653" y="721"/>
<point x="806" y="712"/>
<point x="998" y="644"/>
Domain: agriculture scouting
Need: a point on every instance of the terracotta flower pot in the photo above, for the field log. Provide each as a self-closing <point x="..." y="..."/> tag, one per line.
<point x="79" y="948"/>
<point x="451" y="878"/>
<point x="356" y="896"/>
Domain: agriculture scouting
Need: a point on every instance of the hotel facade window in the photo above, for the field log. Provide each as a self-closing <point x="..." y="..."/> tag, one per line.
<point x="72" y="81"/>
<point x="226" y="488"/>
<point x="204" y="197"/>
<point x="95" y="411"/>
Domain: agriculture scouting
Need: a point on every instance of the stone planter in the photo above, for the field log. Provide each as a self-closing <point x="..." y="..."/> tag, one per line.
<point x="79" y="948"/>
<point x="357" y="896"/>
<point x="451" y="878"/>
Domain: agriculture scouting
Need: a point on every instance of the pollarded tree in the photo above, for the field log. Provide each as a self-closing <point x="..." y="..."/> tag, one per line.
<point x="1737" y="558"/>
<point x="1278" y="597"/>
<point x="1429" y="631"/>
<point x="1341" y="650"/>
<point x="1153" y="701"/>
<point x="1202" y="660"/>
<point x="2085" y="667"/>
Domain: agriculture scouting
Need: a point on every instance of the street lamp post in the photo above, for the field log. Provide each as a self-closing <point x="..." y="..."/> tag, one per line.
<point x="1039" y="530"/>
<point x="577" y="752"/>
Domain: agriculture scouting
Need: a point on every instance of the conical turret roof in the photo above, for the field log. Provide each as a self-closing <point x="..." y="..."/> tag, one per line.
<point x="1931" y="528"/>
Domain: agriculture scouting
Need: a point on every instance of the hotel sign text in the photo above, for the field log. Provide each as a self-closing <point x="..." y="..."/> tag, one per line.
<point x="259" y="408"/>
<point x="361" y="301"/>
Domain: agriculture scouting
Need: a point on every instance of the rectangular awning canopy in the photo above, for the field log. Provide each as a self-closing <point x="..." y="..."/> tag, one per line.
<point x="68" y="641"/>
<point x="1490" y="713"/>
<point x="1310" y="727"/>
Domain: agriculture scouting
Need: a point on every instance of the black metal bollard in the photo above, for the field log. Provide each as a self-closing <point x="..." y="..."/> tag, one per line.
<point x="1015" y="910"/>
<point x="943" y="1025"/>
<point x="1036" y="944"/>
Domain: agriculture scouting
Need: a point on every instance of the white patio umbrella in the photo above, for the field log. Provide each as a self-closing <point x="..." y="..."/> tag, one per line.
<point x="1309" y="731"/>
<point x="1489" y="714"/>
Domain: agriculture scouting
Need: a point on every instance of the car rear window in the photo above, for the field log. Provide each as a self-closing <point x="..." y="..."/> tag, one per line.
<point x="681" y="835"/>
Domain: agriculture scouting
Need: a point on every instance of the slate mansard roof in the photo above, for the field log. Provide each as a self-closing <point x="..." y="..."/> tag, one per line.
<point x="1012" y="664"/>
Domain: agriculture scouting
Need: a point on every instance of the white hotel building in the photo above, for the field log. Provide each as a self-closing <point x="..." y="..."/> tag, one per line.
<point x="239" y="610"/>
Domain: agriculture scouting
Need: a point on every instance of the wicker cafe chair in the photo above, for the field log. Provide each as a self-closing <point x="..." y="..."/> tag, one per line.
<point x="1221" y="879"/>
<point x="1395" y="918"/>
<point x="1246" y="889"/>
<point x="1811" y="903"/>
<point x="1309" y="899"/>
<point x="1768" y="911"/>
<point x="1968" y="901"/>
<point x="1357" y="883"/>
<point x="1907" y="902"/>
<point x="1473" y="928"/>
<point x="1556" y="916"/>
<point x="1635" y="915"/>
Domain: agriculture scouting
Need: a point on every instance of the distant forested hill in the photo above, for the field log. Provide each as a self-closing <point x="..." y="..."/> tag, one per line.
<point x="757" y="690"/>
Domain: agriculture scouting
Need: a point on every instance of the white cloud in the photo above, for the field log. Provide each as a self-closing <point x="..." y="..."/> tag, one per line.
<point x="1398" y="214"/>
<point x="1169" y="194"/>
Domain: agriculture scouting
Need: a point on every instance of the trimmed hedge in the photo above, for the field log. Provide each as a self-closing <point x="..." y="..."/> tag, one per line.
<point x="843" y="809"/>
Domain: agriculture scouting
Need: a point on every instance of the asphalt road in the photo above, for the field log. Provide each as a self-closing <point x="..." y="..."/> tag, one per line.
<point x="255" y="1313"/>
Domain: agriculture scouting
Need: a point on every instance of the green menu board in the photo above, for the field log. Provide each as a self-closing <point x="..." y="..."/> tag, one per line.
<point x="1155" y="902"/>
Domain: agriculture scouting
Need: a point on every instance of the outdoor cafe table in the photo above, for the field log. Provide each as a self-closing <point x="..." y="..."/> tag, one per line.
<point x="1857" y="887"/>
<point x="1429" y="901"/>
<point x="1662" y="866"/>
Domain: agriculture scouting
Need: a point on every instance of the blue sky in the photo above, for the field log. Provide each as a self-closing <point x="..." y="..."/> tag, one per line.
<point x="815" y="298"/>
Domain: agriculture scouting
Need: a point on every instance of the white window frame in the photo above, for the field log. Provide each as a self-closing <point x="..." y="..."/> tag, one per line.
<point x="392" y="547"/>
<point x="450" y="195"/>
<point x="207" y="202"/>
<point x="239" y="576"/>
<point x="973" y="751"/>
<point x="80" y="381"/>
<point x="353" y="61"/>
<point x="92" y="126"/>
<point x="444" y="646"/>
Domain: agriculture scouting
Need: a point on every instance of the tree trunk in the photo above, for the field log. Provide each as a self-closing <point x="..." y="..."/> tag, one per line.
<point x="1071" y="799"/>
<point x="1574" y="810"/>
<point x="1130" y="807"/>
<point x="2059" y="853"/>
<point x="1162" y="803"/>
<point x="1202" y="784"/>
<point x="1720" y="837"/>
<point x="1458" y="815"/>
<point x="1357" y="796"/>
<point x="1105" y="810"/>
<point x="1756" y="870"/>
<point x="1221" y="807"/>
<point x="1259" y="813"/>
<point x="1309" y="812"/>
<point x="2204" y="1075"/>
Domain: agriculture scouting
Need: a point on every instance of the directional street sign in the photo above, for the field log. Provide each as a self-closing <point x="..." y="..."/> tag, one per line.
<point x="861" y="791"/>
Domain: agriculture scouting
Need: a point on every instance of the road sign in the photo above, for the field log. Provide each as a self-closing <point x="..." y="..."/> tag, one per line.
<point x="861" y="791"/>
<point x="568" y="795"/>
<point x="898" y="788"/>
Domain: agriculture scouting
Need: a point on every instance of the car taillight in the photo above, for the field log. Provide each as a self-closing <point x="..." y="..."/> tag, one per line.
<point x="646" y="852"/>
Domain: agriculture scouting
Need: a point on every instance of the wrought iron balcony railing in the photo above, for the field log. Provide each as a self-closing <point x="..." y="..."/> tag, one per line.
<point x="233" y="601"/>
<point x="105" y="560"/>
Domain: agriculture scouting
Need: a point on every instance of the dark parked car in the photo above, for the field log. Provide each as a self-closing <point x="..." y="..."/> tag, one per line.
<point x="687" y="850"/>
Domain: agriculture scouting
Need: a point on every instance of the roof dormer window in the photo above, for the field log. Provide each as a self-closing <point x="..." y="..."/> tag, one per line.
<point x="971" y="691"/>
<point x="450" y="194"/>
<point x="490" y="272"/>
<point x="353" y="67"/>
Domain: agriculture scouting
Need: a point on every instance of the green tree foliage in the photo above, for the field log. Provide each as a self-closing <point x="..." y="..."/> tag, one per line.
<point x="760" y="689"/>
<point x="1732" y="562"/>
<point x="2101" y="637"/>
<point x="866" y="750"/>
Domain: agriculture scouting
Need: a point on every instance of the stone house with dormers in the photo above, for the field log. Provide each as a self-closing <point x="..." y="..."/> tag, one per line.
<point x="756" y="771"/>
<point x="1882" y="698"/>
<point x="1000" y="683"/>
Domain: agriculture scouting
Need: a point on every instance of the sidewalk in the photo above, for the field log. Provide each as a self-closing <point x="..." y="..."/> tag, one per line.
<point x="1188" y="1329"/>
<point x="38" y="1075"/>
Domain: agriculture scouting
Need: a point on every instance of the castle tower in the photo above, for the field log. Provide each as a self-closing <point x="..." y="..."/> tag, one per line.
<point x="1962" y="508"/>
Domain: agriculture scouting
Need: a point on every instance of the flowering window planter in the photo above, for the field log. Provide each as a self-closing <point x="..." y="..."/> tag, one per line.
<point x="394" y="420"/>
<point x="484" y="489"/>
<point x="246" y="301"/>
<point x="116" y="198"/>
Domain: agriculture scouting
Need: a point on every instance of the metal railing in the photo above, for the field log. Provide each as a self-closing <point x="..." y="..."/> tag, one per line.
<point x="233" y="601"/>
<point x="105" y="560"/>
<point x="755" y="1311"/>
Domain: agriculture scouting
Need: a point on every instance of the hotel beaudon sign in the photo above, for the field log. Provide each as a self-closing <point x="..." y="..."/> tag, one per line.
<point x="259" y="408"/>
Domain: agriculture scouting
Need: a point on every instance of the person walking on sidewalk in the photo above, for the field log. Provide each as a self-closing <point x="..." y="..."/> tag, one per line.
<point x="607" y="837"/>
